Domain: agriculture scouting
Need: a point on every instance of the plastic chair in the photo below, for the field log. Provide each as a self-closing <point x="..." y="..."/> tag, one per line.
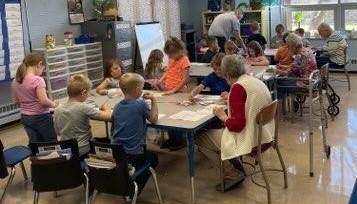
<point x="59" y="173"/>
<point x="8" y="159"/>
<point x="345" y="71"/>
<point x="117" y="180"/>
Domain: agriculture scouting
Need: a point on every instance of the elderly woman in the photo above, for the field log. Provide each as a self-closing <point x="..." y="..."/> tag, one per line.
<point x="303" y="64"/>
<point x="333" y="51"/>
<point x="247" y="96"/>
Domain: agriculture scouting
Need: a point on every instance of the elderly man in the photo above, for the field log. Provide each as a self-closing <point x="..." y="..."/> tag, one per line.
<point x="227" y="25"/>
<point x="333" y="51"/>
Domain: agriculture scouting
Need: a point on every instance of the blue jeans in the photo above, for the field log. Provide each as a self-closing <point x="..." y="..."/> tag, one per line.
<point x="323" y="59"/>
<point x="39" y="128"/>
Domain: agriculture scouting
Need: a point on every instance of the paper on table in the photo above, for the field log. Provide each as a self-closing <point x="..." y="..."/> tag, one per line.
<point x="199" y="64"/>
<point x="208" y="97"/>
<point x="161" y="115"/>
<point x="189" y="115"/>
<point x="209" y="109"/>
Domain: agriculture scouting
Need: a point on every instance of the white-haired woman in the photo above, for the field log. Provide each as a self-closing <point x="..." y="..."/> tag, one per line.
<point x="333" y="51"/>
<point x="303" y="64"/>
<point x="247" y="96"/>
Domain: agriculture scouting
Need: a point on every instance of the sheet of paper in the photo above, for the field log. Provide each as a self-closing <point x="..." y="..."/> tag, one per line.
<point x="209" y="109"/>
<point x="161" y="115"/>
<point x="199" y="64"/>
<point x="208" y="97"/>
<point x="189" y="115"/>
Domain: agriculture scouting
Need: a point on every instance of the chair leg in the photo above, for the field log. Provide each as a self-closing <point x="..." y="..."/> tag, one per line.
<point x="24" y="173"/>
<point x="222" y="177"/>
<point x="330" y="103"/>
<point x="267" y="186"/>
<point x="36" y="197"/>
<point x="135" y="196"/>
<point x="154" y="178"/>
<point x="348" y="79"/>
<point x="323" y="127"/>
<point x="93" y="196"/>
<point x="12" y="174"/>
<point x="282" y="165"/>
<point x="87" y="187"/>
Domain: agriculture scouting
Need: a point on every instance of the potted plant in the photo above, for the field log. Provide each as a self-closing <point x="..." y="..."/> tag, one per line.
<point x="298" y="17"/>
<point x="100" y="4"/>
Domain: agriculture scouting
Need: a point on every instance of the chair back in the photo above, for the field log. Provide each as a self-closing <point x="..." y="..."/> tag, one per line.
<point x="3" y="167"/>
<point x="57" y="173"/>
<point x="112" y="181"/>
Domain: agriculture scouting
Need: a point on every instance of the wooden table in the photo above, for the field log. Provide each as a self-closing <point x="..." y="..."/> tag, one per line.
<point x="167" y="106"/>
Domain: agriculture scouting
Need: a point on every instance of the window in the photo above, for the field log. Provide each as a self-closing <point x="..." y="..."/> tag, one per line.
<point x="311" y="2"/>
<point x="348" y="1"/>
<point x="309" y="20"/>
<point x="351" y="19"/>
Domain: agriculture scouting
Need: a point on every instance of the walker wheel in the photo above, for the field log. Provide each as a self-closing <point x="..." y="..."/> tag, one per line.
<point x="333" y="110"/>
<point x="335" y="98"/>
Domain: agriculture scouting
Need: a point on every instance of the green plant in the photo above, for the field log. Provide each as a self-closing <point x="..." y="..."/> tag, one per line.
<point x="298" y="17"/>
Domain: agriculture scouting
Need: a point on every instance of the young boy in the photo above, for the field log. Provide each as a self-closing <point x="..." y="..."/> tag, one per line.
<point x="213" y="48"/>
<point x="301" y="33"/>
<point x="256" y="36"/>
<point x="277" y="40"/>
<point x="129" y="124"/>
<point x="215" y="81"/>
<point x="71" y="120"/>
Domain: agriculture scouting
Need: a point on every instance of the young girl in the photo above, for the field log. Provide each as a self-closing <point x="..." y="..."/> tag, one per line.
<point x="29" y="91"/>
<point x="176" y="74"/>
<point x="255" y="55"/>
<point x="154" y="68"/>
<point x="230" y="47"/>
<point x="113" y="72"/>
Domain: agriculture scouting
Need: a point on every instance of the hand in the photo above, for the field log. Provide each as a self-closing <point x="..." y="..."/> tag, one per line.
<point x="105" y="107"/>
<point x="224" y="95"/>
<point x="166" y="93"/>
<point x="219" y="112"/>
<point x="56" y="103"/>
<point x="148" y="96"/>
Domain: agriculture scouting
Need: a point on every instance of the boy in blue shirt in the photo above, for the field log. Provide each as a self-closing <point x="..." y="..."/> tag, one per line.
<point x="214" y="81"/>
<point x="129" y="124"/>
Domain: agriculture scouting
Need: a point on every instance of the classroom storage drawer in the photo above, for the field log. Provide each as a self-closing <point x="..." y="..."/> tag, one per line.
<point x="94" y="52"/>
<point x="58" y="94"/>
<point x="85" y="73"/>
<point x="56" y="52"/>
<point x="58" y="72"/>
<point x="93" y="46"/>
<point x="95" y="74"/>
<point x="94" y="58"/>
<point x="58" y="65"/>
<point x="96" y="64"/>
<point x="58" y="83"/>
<point x="75" y="62"/>
<point x="76" y="55"/>
<point x="55" y="59"/>
<point x="77" y="68"/>
<point x="76" y="48"/>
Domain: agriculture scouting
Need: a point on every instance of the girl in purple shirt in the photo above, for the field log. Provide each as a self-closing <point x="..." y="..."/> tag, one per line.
<point x="29" y="91"/>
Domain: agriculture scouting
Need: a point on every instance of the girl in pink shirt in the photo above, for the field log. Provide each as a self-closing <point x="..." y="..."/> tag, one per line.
<point x="29" y="91"/>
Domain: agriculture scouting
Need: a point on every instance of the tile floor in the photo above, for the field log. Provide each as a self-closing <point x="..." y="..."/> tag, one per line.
<point x="332" y="183"/>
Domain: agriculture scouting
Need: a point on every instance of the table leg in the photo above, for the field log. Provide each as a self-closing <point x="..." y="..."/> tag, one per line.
<point x="106" y="129"/>
<point x="190" y="154"/>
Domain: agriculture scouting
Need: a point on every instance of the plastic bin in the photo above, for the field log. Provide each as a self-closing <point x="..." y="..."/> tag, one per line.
<point x="85" y="73"/>
<point x="94" y="58"/>
<point x="57" y="65"/>
<point x="58" y="72"/>
<point x="94" y="52"/>
<point x="76" y="55"/>
<point x="76" y="48"/>
<point x="55" y="59"/>
<point x="58" y="94"/>
<point x="93" y="46"/>
<point x="77" y="68"/>
<point x="55" y="52"/>
<point x="58" y="83"/>
<point x="95" y="74"/>
<point x="96" y="64"/>
<point x="75" y="62"/>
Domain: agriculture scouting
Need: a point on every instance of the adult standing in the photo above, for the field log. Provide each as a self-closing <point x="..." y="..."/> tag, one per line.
<point x="247" y="96"/>
<point x="333" y="52"/>
<point x="226" y="25"/>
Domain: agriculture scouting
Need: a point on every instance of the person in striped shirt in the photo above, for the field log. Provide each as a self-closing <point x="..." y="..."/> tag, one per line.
<point x="333" y="52"/>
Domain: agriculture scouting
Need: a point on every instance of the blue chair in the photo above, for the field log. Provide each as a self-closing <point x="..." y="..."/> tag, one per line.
<point x="8" y="159"/>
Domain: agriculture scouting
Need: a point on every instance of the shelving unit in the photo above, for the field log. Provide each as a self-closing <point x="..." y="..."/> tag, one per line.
<point x="249" y="15"/>
<point x="63" y="62"/>
<point x="189" y="37"/>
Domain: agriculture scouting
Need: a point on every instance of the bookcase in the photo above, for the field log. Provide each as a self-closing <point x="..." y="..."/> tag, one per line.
<point x="63" y="62"/>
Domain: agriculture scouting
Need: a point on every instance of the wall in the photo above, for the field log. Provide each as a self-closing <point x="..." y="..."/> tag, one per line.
<point x="48" y="16"/>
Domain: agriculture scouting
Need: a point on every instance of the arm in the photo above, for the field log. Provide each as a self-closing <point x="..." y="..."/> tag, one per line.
<point x="105" y="113"/>
<point x="261" y="61"/>
<point x="181" y="84"/>
<point x="43" y="99"/>
<point x="154" y="112"/>
<point x="102" y="88"/>
<point x="196" y="90"/>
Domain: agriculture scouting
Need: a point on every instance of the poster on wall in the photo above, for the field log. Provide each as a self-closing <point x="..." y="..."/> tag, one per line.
<point x="75" y="11"/>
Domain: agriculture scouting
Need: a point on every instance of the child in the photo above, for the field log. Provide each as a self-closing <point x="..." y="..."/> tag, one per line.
<point x="277" y="40"/>
<point x="256" y="36"/>
<point x="72" y="118"/>
<point x="29" y="91"/>
<point x="154" y="68"/>
<point x="284" y="56"/>
<point x="230" y="48"/>
<point x="113" y="71"/>
<point x="215" y="81"/>
<point x="255" y="55"/>
<point x="129" y="124"/>
<point x="301" y="33"/>
<point x="212" y="50"/>
<point x="176" y="74"/>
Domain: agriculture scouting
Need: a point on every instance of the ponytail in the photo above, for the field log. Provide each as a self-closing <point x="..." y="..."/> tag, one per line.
<point x="31" y="59"/>
<point x="20" y="73"/>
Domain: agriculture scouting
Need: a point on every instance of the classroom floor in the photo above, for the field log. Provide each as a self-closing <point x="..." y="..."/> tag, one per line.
<point x="332" y="183"/>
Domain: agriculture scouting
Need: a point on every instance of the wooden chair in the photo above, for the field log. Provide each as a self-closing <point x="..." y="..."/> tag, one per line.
<point x="345" y="70"/>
